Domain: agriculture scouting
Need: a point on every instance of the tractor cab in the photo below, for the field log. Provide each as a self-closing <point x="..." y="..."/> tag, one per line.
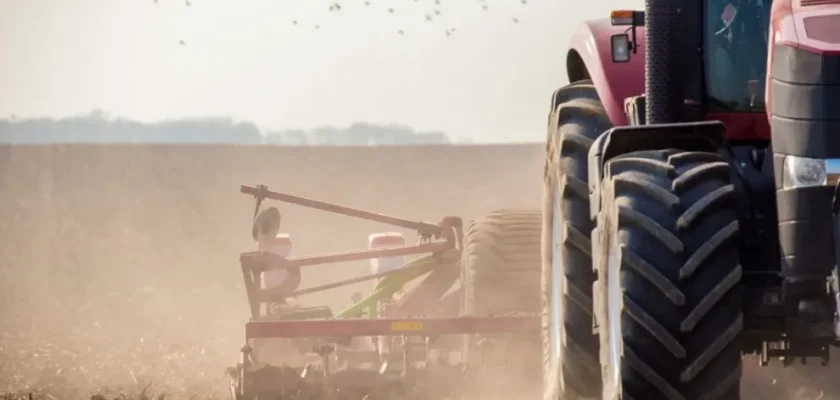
<point x="736" y="54"/>
<point x="734" y="51"/>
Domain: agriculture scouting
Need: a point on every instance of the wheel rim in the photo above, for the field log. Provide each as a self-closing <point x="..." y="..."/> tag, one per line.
<point x="556" y="324"/>
<point x="614" y="309"/>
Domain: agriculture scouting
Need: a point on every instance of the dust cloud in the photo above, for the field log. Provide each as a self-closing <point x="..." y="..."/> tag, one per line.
<point x="120" y="263"/>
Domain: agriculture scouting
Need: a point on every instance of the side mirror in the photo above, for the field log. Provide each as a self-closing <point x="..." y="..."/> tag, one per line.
<point x="621" y="47"/>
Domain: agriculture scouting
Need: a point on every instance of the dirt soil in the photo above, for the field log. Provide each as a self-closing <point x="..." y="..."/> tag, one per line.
<point x="119" y="263"/>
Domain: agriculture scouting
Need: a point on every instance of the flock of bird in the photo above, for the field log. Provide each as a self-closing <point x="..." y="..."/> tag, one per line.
<point x="335" y="7"/>
<point x="429" y="17"/>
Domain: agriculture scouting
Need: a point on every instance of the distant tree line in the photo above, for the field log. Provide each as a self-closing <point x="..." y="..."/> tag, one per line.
<point x="98" y="127"/>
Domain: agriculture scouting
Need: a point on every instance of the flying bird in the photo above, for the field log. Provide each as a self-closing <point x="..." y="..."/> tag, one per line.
<point x="428" y="17"/>
<point x="515" y="20"/>
<point x="182" y="43"/>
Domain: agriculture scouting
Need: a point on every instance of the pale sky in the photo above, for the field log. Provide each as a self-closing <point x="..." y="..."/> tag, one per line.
<point x="491" y="80"/>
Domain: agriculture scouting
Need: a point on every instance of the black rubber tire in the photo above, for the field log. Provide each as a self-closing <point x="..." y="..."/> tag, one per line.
<point x="501" y="267"/>
<point x="501" y="261"/>
<point x="576" y="120"/>
<point x="668" y="218"/>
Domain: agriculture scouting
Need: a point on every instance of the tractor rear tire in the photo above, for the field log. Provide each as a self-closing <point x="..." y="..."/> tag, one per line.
<point x="501" y="276"/>
<point x="570" y="347"/>
<point x="668" y="296"/>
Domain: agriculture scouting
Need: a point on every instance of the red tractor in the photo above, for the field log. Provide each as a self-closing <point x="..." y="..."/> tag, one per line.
<point x="690" y="198"/>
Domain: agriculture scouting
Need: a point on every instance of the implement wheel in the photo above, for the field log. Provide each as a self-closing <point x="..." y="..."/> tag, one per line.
<point x="668" y="293"/>
<point x="570" y="347"/>
<point x="501" y="275"/>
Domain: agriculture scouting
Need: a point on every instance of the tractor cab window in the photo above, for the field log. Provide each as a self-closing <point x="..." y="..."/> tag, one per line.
<point x="736" y="54"/>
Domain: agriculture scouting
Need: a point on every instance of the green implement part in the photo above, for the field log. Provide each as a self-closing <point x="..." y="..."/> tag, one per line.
<point x="392" y="284"/>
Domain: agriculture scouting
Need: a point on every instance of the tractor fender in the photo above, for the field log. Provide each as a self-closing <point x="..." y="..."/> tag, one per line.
<point x="705" y="136"/>
<point x="590" y="56"/>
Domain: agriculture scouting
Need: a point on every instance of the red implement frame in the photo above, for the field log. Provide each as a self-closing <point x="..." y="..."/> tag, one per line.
<point x="392" y="327"/>
<point x="434" y="238"/>
<point x="262" y="191"/>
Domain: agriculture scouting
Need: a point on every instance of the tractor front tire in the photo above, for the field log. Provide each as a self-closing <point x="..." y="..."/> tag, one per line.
<point x="570" y="347"/>
<point x="668" y="296"/>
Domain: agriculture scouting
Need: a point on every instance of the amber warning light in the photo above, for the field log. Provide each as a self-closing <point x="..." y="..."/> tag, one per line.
<point x="621" y="17"/>
<point x="627" y="18"/>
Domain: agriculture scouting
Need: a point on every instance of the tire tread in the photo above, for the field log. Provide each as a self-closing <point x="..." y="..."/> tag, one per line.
<point x="577" y="118"/>
<point x="686" y="250"/>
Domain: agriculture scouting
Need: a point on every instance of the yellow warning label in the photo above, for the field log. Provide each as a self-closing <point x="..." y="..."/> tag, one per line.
<point x="407" y="326"/>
